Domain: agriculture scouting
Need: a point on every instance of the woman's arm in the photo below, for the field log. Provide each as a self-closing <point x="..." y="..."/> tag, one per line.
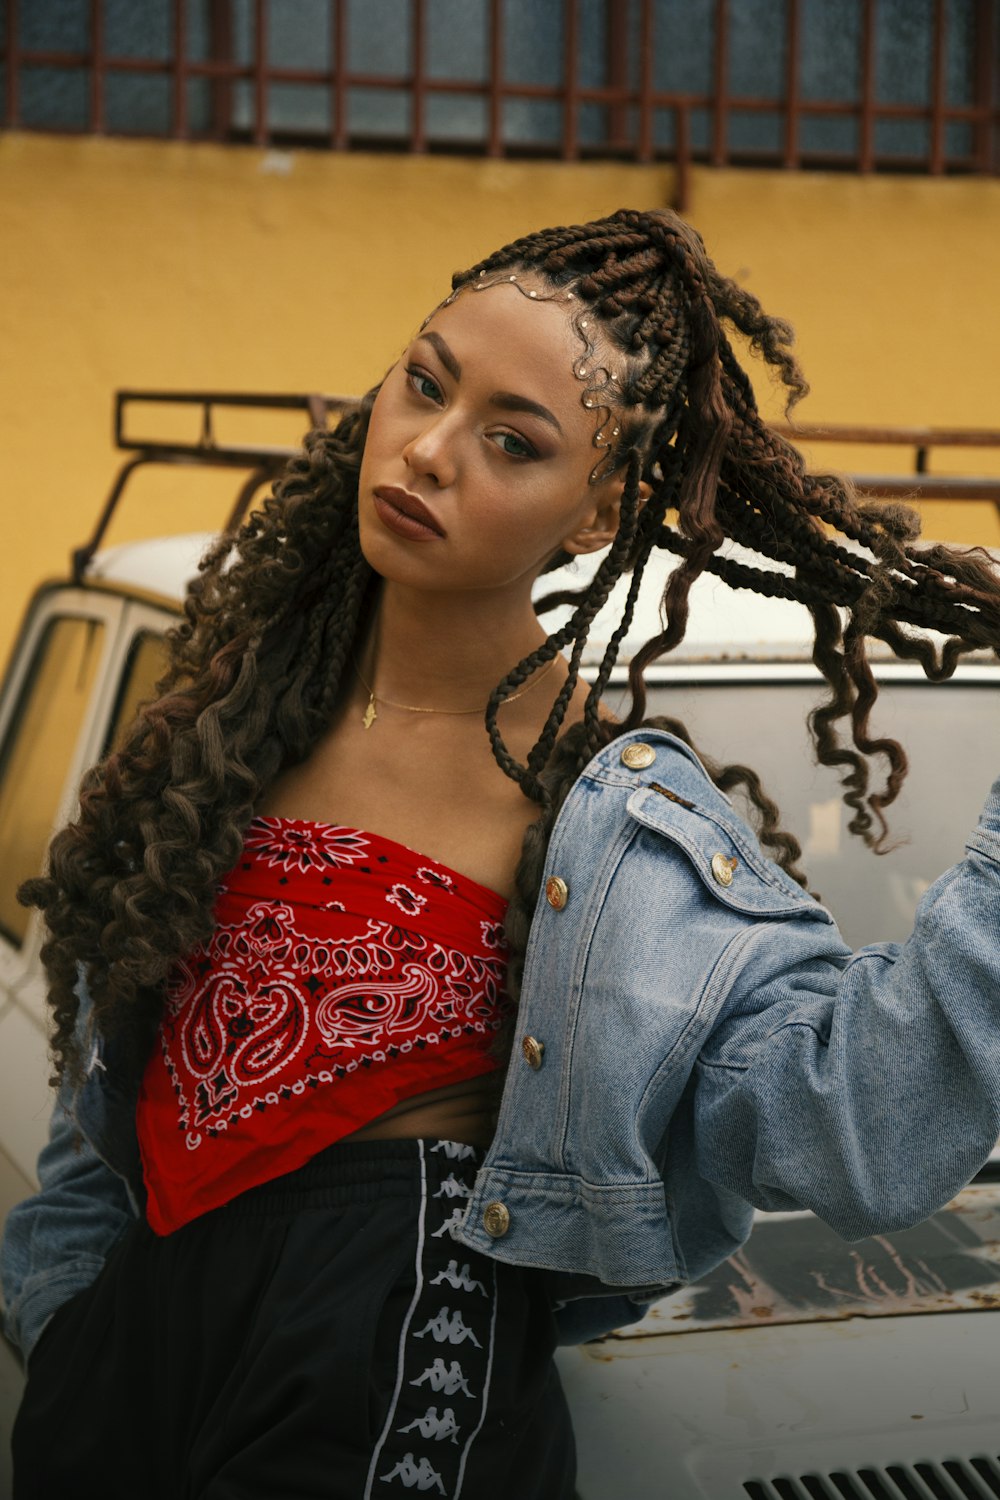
<point x="869" y="1093"/>
<point x="55" y="1243"/>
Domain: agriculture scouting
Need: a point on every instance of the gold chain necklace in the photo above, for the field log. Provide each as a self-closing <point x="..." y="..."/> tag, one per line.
<point x="370" y="714"/>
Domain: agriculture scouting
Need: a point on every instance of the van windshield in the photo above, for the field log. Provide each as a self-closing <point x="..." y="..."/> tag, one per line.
<point x="950" y="733"/>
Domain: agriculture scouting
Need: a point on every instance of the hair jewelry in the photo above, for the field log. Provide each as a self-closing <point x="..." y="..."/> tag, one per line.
<point x="601" y="391"/>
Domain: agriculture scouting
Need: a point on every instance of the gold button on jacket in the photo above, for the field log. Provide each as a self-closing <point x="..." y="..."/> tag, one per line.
<point x="533" y="1049"/>
<point x="556" y="892"/>
<point x="496" y="1220"/>
<point x="638" y="757"/>
<point x="722" y="868"/>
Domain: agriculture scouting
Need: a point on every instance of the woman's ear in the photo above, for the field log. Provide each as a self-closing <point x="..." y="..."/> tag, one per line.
<point x="601" y="526"/>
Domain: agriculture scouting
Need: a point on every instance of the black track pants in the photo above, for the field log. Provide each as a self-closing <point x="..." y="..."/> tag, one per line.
<point x="321" y="1336"/>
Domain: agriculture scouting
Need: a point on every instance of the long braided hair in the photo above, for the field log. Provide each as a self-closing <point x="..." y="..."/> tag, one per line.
<point x="258" y="663"/>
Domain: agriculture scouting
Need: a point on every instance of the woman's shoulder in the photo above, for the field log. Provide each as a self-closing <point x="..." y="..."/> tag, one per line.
<point x="636" y="756"/>
<point x="650" y="779"/>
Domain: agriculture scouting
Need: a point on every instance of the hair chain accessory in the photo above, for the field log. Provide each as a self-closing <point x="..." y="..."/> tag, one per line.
<point x="371" y="714"/>
<point x="601" y="387"/>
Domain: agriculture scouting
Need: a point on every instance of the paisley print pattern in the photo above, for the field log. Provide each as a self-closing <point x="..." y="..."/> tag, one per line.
<point x="345" y="973"/>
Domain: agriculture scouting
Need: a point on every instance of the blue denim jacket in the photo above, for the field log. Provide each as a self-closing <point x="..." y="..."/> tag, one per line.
<point x="708" y="1044"/>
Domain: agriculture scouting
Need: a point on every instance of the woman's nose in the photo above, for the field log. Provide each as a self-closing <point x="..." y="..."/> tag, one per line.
<point x="429" y="453"/>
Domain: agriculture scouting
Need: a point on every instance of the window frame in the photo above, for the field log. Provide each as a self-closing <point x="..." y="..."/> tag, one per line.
<point x="240" y="70"/>
<point x="22" y="981"/>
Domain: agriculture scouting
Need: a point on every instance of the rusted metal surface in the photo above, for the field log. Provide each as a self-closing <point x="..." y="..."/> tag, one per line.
<point x="98" y="65"/>
<point x="616" y="52"/>
<point x="794" y="1269"/>
<point x="571" y="82"/>
<point x="339" y="112"/>
<point x="646" y="55"/>
<point x="313" y="405"/>
<point x="939" y="85"/>
<point x="12" y="71"/>
<point x="180" y="73"/>
<point x="907" y="437"/>
<point x="418" y="131"/>
<point x="987" y="135"/>
<point x="261" y="75"/>
<point x="792" y="69"/>
<point x="720" y="62"/>
<point x="920" y="484"/>
<point x="866" y="131"/>
<point x="496" y="92"/>
<point x="626" y="89"/>
<point x="220" y="38"/>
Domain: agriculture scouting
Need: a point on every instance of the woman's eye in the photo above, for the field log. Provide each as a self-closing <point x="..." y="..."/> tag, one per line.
<point x="423" y="384"/>
<point x="514" y="446"/>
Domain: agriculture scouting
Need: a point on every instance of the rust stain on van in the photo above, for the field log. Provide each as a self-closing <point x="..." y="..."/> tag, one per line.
<point x="794" y="1269"/>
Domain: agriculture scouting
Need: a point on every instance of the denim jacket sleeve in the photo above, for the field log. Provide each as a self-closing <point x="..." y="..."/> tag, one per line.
<point x="56" y="1242"/>
<point x="866" y="1089"/>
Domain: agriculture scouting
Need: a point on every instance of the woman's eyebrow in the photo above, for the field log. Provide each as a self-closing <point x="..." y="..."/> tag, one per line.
<point x="506" y="400"/>
<point x="448" y="359"/>
<point x="509" y="402"/>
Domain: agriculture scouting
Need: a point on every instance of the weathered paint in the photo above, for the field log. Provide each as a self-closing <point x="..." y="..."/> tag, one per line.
<point x="794" y="1269"/>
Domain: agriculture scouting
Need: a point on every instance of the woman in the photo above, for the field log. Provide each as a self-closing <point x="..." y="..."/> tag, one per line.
<point x="305" y="1246"/>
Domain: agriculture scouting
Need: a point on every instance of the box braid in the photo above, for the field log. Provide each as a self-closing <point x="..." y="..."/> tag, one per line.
<point x="691" y="428"/>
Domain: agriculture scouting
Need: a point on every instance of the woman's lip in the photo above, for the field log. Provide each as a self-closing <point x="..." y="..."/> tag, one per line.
<point x="405" y="514"/>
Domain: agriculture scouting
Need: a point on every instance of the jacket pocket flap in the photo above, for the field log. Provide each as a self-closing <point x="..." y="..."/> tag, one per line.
<point x="723" y="853"/>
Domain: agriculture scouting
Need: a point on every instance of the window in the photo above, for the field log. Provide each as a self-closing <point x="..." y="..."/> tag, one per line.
<point x="873" y="898"/>
<point x="895" y="84"/>
<point x="37" y="752"/>
<point x="144" y="666"/>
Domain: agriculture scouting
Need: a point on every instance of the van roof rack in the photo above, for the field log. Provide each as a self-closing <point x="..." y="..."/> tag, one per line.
<point x="264" y="462"/>
<point x="919" y="484"/>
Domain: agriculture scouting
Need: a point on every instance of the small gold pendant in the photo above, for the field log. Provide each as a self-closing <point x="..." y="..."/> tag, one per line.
<point x="370" y="715"/>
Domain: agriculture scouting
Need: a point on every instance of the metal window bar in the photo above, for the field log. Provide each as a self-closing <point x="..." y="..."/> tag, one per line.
<point x="938" y="88"/>
<point x="720" y="83"/>
<point x="418" y="130"/>
<point x="866" y="144"/>
<point x="97" y="73"/>
<point x="987" y="85"/>
<point x="180" y="72"/>
<point x="647" y="43"/>
<point x="571" y="104"/>
<point x="496" y="85"/>
<point x="339" y="43"/>
<point x="626" y="92"/>
<point x="793" y="38"/>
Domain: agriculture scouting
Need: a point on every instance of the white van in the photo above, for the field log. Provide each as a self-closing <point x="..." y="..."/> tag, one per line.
<point x="804" y="1368"/>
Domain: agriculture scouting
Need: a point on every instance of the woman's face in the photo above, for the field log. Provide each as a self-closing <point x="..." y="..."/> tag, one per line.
<point x="479" y="453"/>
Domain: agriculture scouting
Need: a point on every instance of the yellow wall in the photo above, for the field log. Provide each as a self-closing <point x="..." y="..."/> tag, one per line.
<point x="163" y="265"/>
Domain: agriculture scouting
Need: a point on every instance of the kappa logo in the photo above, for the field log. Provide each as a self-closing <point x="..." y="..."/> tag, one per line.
<point x="430" y="1425"/>
<point x="451" y="1223"/>
<point x="415" y="1476"/>
<point x="451" y="1187"/>
<point x="459" y="1280"/>
<point x="448" y="1327"/>
<point x="447" y="1379"/>
<point x="455" y="1150"/>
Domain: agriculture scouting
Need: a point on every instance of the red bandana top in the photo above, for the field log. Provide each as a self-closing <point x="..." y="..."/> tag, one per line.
<point x="346" y="973"/>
